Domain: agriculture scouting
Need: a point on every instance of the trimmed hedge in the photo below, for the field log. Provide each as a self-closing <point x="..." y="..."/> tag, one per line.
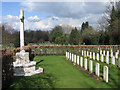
<point x="7" y="70"/>
<point x="8" y="56"/>
<point x="61" y="49"/>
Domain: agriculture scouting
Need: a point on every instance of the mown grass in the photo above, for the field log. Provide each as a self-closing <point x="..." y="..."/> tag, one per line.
<point x="59" y="73"/>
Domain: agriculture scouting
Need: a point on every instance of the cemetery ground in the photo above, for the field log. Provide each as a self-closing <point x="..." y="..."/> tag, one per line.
<point x="61" y="73"/>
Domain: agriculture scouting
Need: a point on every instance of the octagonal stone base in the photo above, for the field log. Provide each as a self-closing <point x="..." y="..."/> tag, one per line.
<point x="24" y="67"/>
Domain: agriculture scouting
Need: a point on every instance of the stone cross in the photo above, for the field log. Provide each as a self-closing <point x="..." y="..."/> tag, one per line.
<point x="23" y="66"/>
<point x="85" y="64"/>
<point x="21" y="30"/>
<point x="81" y="61"/>
<point x="91" y="66"/>
<point x="77" y="60"/>
<point x="105" y="73"/>
<point x="97" y="69"/>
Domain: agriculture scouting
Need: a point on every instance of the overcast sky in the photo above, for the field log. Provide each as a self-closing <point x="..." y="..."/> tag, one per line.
<point x="45" y="15"/>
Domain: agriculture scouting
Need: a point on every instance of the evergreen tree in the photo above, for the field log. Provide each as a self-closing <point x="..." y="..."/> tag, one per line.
<point x="73" y="39"/>
<point x="84" y="26"/>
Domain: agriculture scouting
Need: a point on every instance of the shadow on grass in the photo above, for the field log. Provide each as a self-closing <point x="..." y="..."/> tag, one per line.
<point x="40" y="61"/>
<point x="43" y="80"/>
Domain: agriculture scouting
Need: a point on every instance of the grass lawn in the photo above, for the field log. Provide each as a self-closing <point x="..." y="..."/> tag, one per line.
<point x="59" y="73"/>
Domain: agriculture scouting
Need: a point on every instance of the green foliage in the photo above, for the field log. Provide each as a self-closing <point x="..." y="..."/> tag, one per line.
<point x="113" y="29"/>
<point x="17" y="42"/>
<point x="73" y="39"/>
<point x="36" y="36"/>
<point x="56" y="32"/>
<point x="84" y="26"/>
<point x="7" y="70"/>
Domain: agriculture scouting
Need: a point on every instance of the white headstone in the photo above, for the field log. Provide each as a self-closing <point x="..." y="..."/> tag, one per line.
<point x="118" y="51"/>
<point x="98" y="48"/>
<point x="85" y="64"/>
<point x="119" y="62"/>
<point x="100" y="52"/>
<point x="111" y="54"/>
<point x="113" y="60"/>
<point x="77" y="60"/>
<point x="104" y="52"/>
<point x="97" y="69"/>
<point x="72" y="57"/>
<point x="82" y="53"/>
<point x="116" y="55"/>
<point x="111" y="49"/>
<point x="90" y="55"/>
<point x="107" y="53"/>
<point x="93" y="55"/>
<point x="107" y="59"/>
<point x="97" y="56"/>
<point x="66" y="55"/>
<point x="105" y="73"/>
<point x="102" y="58"/>
<point x="91" y="66"/>
<point x="87" y="53"/>
<point x="81" y="61"/>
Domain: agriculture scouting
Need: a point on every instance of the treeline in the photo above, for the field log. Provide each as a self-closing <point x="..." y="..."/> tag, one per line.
<point x="108" y="32"/>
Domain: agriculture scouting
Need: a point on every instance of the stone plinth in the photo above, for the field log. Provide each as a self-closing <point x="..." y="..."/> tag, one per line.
<point x="23" y="66"/>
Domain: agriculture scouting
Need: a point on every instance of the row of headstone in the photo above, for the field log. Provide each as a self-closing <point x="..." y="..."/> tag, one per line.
<point x="102" y="56"/>
<point x="89" y="54"/>
<point x="116" y="53"/>
<point x="75" y="59"/>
